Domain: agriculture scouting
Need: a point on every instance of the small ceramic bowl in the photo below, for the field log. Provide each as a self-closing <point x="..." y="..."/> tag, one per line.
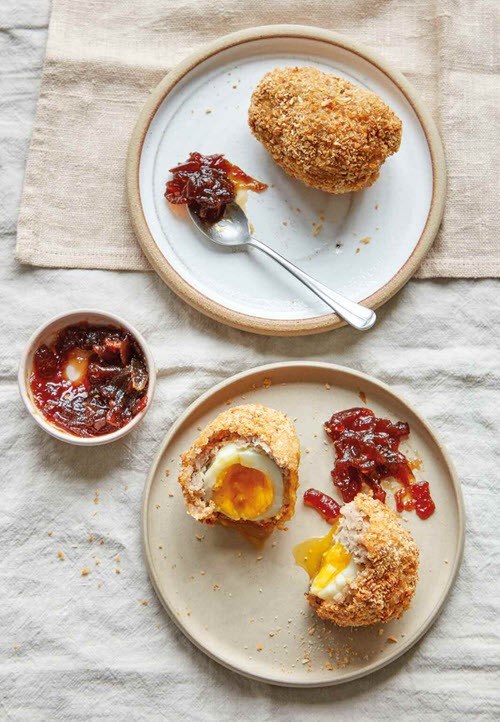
<point x="46" y="334"/>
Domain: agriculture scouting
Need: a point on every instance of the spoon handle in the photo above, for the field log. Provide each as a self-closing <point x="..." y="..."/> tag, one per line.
<point x="356" y="315"/>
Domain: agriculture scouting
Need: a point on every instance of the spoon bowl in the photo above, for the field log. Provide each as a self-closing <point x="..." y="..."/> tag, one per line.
<point x="232" y="230"/>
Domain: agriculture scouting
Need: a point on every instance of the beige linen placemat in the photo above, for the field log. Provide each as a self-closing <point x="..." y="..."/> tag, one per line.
<point x="104" y="56"/>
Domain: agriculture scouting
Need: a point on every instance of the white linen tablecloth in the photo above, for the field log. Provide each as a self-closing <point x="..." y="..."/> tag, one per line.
<point x="85" y="648"/>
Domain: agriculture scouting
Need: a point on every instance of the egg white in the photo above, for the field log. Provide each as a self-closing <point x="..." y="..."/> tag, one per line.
<point x="254" y="458"/>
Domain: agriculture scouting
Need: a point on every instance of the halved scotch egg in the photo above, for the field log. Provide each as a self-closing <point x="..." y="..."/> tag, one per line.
<point x="365" y="570"/>
<point x="242" y="470"/>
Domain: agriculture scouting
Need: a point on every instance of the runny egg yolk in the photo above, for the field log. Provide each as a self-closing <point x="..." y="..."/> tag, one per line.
<point x="309" y="553"/>
<point x="324" y="559"/>
<point x="241" y="492"/>
<point x="333" y="562"/>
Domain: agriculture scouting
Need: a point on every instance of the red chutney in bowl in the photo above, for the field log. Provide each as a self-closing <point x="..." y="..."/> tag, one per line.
<point x="91" y="380"/>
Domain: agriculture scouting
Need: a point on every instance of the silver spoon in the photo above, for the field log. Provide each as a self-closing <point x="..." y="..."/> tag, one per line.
<point x="233" y="231"/>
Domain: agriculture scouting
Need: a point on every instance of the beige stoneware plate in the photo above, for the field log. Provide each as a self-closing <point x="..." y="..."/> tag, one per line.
<point x="230" y="598"/>
<point x="365" y="245"/>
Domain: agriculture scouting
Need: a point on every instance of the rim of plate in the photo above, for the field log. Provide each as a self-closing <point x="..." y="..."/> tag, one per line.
<point x="328" y="367"/>
<point x="198" y="300"/>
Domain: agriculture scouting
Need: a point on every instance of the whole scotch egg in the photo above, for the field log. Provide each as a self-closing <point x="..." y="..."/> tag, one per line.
<point x="242" y="470"/>
<point x="366" y="568"/>
<point x="324" y="131"/>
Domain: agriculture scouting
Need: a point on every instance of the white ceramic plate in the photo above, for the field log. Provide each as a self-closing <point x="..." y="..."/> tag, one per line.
<point x="370" y="242"/>
<point x="228" y="601"/>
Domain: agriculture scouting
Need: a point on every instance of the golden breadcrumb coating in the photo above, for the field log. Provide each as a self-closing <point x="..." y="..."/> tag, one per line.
<point x="323" y="130"/>
<point x="388" y="567"/>
<point x="269" y="429"/>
